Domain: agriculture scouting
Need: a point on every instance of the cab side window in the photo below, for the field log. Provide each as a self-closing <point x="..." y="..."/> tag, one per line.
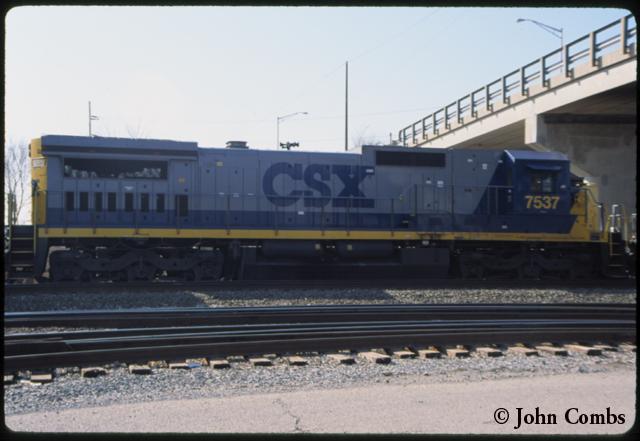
<point x="543" y="183"/>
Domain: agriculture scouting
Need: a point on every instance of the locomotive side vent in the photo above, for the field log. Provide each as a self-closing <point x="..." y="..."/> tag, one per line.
<point x="237" y="145"/>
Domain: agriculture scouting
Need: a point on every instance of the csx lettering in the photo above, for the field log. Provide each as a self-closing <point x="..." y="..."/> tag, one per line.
<point x="542" y="202"/>
<point x="316" y="178"/>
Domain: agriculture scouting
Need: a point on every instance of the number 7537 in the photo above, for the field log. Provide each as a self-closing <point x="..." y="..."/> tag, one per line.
<point x="542" y="202"/>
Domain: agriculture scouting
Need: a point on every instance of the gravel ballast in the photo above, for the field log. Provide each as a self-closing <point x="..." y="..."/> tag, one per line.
<point x="119" y="299"/>
<point x="119" y="386"/>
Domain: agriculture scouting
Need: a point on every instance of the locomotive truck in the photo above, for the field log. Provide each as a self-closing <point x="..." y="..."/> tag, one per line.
<point x="123" y="209"/>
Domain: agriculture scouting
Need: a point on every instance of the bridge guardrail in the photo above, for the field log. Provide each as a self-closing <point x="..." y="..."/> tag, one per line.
<point x="619" y="35"/>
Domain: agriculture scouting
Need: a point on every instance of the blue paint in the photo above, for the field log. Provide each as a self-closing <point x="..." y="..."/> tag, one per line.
<point x="315" y="177"/>
<point x="291" y="220"/>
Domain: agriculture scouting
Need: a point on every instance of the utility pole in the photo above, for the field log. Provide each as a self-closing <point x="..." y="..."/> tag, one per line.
<point x="346" y="107"/>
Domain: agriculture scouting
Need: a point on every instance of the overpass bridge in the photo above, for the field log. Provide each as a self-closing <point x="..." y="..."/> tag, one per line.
<point x="579" y="99"/>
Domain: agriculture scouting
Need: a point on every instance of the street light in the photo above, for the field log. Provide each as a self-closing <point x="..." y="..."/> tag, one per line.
<point x="282" y="118"/>
<point x="556" y="32"/>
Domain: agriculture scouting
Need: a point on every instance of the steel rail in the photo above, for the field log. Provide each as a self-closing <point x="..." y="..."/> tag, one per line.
<point x="28" y="343"/>
<point x="66" y="288"/>
<point x="173" y="317"/>
<point x="248" y="343"/>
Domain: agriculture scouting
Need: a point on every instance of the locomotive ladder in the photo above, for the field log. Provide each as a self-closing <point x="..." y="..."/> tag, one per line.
<point x="19" y="255"/>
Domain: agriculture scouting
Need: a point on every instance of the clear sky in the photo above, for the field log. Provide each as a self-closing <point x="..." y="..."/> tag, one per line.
<point x="214" y="74"/>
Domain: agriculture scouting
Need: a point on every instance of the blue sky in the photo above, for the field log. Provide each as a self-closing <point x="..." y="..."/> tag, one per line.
<point x="213" y="74"/>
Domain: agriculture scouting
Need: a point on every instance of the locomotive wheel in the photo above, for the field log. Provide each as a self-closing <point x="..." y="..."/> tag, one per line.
<point x="66" y="271"/>
<point x="141" y="271"/>
<point x="472" y="271"/>
<point x="210" y="269"/>
<point x="529" y="271"/>
<point x="194" y="274"/>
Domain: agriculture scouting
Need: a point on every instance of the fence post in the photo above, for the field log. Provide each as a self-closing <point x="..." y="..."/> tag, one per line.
<point x="459" y="112"/>
<point x="543" y="73"/>
<point x="472" y="105"/>
<point x="523" y="80"/>
<point x="424" y="128"/>
<point x="433" y="124"/>
<point x="566" y="60"/>
<point x="505" y="98"/>
<point x="446" y="118"/>
<point x="592" y="49"/>
<point x="487" y="97"/>
<point x="623" y="34"/>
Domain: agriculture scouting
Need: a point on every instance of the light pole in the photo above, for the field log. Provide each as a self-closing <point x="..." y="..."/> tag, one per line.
<point x="91" y="118"/>
<point x="282" y="118"/>
<point x="556" y="32"/>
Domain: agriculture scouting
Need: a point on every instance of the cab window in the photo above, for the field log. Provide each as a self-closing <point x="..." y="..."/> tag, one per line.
<point x="543" y="182"/>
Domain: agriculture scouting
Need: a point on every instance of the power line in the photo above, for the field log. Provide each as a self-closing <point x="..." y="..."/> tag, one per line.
<point x="362" y="54"/>
<point x="393" y="37"/>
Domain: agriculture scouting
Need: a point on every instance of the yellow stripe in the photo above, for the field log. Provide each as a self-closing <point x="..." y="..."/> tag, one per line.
<point x="39" y="212"/>
<point x="172" y="233"/>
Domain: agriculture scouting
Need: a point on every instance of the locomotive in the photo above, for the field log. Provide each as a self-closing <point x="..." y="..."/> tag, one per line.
<point x="141" y="209"/>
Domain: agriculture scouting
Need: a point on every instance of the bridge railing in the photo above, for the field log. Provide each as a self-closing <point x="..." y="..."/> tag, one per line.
<point x="620" y="35"/>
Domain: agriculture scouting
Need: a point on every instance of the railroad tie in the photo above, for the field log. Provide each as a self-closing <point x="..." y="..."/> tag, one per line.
<point x="139" y="369"/>
<point x="219" y="363"/>
<point x="92" y="372"/>
<point x="457" y="352"/>
<point x="260" y="361"/>
<point x="9" y="378"/>
<point x="375" y="357"/>
<point x="236" y="359"/>
<point x="488" y="351"/>
<point x="605" y="348"/>
<point x="178" y="365"/>
<point x="555" y="350"/>
<point x="342" y="358"/>
<point x="430" y="352"/>
<point x="522" y="350"/>
<point x="627" y="347"/>
<point x="583" y="349"/>
<point x="41" y="377"/>
<point x="296" y="360"/>
<point x="404" y="354"/>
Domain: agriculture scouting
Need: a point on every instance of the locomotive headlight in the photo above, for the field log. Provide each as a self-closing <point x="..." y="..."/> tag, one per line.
<point x="38" y="162"/>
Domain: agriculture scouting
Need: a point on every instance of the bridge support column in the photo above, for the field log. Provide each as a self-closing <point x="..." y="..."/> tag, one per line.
<point x="602" y="147"/>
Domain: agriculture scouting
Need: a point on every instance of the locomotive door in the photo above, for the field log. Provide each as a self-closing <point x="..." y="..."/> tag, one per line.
<point x="435" y="193"/>
<point x="234" y="207"/>
<point x="183" y="198"/>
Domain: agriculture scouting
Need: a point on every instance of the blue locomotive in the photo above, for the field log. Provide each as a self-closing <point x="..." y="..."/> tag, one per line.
<point x="124" y="209"/>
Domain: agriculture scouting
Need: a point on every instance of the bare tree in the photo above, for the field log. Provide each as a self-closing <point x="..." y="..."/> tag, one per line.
<point x="17" y="178"/>
<point x="135" y="132"/>
<point x="362" y="139"/>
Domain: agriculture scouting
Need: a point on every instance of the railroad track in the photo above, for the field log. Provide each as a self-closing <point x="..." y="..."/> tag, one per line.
<point x="63" y="288"/>
<point x="173" y="317"/>
<point x="332" y="329"/>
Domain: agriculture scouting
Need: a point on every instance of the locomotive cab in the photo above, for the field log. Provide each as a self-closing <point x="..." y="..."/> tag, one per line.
<point x="541" y="200"/>
<point x="540" y="182"/>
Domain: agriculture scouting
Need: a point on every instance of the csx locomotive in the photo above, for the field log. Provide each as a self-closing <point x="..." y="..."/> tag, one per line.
<point x="125" y="209"/>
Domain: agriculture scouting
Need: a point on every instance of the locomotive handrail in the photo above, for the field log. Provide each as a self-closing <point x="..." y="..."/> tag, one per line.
<point x="431" y="200"/>
<point x="559" y="62"/>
